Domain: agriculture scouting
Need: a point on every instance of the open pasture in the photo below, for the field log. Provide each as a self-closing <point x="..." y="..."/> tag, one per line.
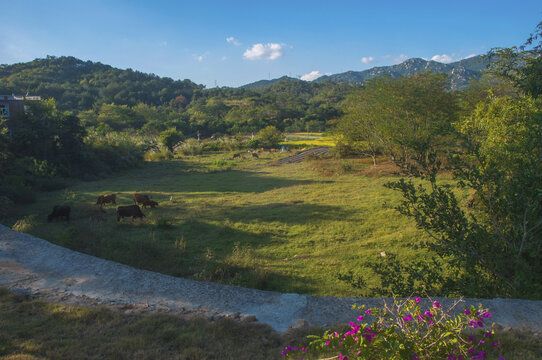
<point x="247" y="222"/>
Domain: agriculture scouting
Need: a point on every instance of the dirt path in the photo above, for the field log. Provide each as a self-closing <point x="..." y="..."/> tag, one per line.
<point x="36" y="267"/>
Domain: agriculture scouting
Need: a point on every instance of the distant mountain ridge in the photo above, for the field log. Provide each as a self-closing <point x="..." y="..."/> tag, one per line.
<point x="460" y="72"/>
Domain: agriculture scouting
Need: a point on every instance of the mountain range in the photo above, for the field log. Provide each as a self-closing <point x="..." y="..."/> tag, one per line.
<point x="460" y="72"/>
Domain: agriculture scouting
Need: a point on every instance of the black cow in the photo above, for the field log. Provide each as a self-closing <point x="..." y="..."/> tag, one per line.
<point x="131" y="210"/>
<point x="60" y="211"/>
<point x="107" y="198"/>
<point x="140" y="198"/>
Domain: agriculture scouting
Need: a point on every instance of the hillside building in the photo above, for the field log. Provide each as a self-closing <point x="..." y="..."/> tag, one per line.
<point x="12" y="106"/>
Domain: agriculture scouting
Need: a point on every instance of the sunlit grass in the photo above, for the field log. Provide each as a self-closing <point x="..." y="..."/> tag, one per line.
<point x="309" y="140"/>
<point x="289" y="228"/>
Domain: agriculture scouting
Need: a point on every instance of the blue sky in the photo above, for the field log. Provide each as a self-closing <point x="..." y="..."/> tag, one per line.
<point x="237" y="42"/>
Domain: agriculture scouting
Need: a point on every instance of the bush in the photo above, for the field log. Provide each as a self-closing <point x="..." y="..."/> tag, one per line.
<point x="190" y="147"/>
<point x="160" y="155"/>
<point x="170" y="138"/>
<point x="405" y="330"/>
<point x="269" y="137"/>
<point x="25" y="224"/>
<point x="254" y="144"/>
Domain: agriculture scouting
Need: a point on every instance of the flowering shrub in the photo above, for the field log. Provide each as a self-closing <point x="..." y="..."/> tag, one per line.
<point x="405" y="330"/>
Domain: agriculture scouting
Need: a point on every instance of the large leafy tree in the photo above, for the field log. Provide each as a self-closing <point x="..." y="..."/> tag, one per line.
<point x="495" y="247"/>
<point x="401" y="117"/>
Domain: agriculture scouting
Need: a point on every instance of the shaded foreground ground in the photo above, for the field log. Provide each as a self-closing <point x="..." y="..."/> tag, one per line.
<point x="39" y="267"/>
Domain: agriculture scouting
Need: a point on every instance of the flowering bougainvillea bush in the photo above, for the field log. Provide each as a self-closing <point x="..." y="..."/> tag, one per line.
<point x="405" y="330"/>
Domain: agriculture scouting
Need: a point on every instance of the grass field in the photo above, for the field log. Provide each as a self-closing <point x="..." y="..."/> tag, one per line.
<point x="248" y="222"/>
<point x="33" y="329"/>
<point x="309" y="140"/>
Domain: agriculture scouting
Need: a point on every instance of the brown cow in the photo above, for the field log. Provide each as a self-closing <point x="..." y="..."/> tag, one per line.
<point x="131" y="210"/>
<point x="107" y="198"/>
<point x="150" y="203"/>
<point x="140" y="198"/>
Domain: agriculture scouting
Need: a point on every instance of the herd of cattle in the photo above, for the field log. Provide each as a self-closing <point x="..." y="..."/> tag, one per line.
<point x="134" y="211"/>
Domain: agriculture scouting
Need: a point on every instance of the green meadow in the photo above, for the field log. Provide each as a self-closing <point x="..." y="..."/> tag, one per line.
<point x="291" y="228"/>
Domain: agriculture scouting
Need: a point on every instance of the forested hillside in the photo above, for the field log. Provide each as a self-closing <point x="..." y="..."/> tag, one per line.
<point x="78" y="85"/>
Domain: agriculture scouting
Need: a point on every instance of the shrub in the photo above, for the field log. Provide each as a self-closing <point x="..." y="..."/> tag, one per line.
<point x="25" y="224"/>
<point x="160" y="155"/>
<point x="269" y="137"/>
<point x="190" y="147"/>
<point x="170" y="138"/>
<point x="406" y="330"/>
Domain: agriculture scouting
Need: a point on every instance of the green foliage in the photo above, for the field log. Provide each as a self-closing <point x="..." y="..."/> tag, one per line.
<point x="401" y="118"/>
<point x="83" y="85"/>
<point x="404" y="331"/>
<point x="495" y="247"/>
<point x="170" y="138"/>
<point x="158" y="155"/>
<point x="26" y="224"/>
<point x="190" y="147"/>
<point x="269" y="137"/>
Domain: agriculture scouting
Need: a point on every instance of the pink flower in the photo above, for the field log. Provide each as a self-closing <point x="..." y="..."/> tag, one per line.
<point x="368" y="311"/>
<point x="408" y="317"/>
<point x="417" y="300"/>
<point x="436" y="304"/>
<point x="303" y="349"/>
<point x="487" y="315"/>
<point x="360" y="318"/>
<point x="467" y="312"/>
<point x="428" y="313"/>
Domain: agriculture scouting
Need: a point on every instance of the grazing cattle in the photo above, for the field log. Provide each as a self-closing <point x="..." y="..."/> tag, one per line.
<point x="140" y="198"/>
<point x="59" y="212"/>
<point x="129" y="211"/>
<point x="254" y="155"/>
<point x="236" y="155"/>
<point x="150" y="203"/>
<point x="107" y="198"/>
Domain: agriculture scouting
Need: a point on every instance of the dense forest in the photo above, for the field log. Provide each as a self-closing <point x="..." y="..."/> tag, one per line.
<point x="102" y="96"/>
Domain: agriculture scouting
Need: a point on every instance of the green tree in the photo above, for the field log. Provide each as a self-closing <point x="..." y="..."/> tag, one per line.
<point x="269" y="137"/>
<point x="170" y="138"/>
<point x="495" y="247"/>
<point x="404" y="117"/>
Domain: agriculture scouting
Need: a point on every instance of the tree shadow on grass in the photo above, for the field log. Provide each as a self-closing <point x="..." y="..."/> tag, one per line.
<point x="289" y="213"/>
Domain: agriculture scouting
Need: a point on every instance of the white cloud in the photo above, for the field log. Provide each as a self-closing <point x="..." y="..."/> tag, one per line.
<point x="367" y="60"/>
<point x="471" y="55"/>
<point x="268" y="51"/>
<point x="400" y="58"/>
<point x="198" y="58"/>
<point x="233" y="41"/>
<point x="313" y="75"/>
<point x="443" y="58"/>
